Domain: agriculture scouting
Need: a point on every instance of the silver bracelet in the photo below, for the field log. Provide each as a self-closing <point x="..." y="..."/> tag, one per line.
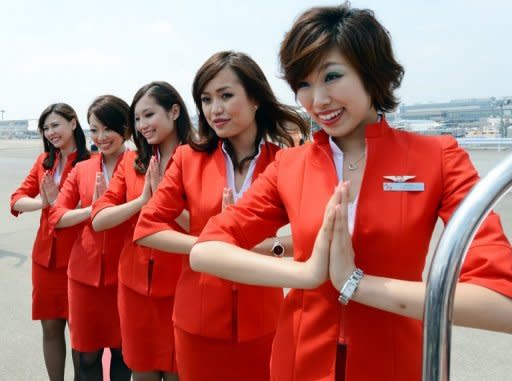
<point x="350" y="286"/>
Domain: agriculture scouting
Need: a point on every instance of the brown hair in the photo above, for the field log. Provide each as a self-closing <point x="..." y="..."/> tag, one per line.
<point x="273" y="119"/>
<point x="166" y="96"/>
<point x="113" y="112"/>
<point x="358" y="36"/>
<point x="67" y="112"/>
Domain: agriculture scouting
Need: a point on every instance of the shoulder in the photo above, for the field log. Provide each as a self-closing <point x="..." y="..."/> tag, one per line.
<point x="93" y="160"/>
<point x="415" y="138"/>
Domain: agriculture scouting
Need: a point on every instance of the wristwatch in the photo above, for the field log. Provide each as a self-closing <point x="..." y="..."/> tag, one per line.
<point x="277" y="248"/>
<point x="350" y="286"/>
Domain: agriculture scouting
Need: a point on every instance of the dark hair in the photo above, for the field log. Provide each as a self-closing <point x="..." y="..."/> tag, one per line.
<point x="166" y="96"/>
<point x="67" y="112"/>
<point x="273" y="119"/>
<point x="359" y="37"/>
<point x="111" y="111"/>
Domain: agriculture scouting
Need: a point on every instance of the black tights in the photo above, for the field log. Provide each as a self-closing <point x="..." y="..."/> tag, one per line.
<point x="154" y="376"/>
<point x="91" y="367"/>
<point x="54" y="349"/>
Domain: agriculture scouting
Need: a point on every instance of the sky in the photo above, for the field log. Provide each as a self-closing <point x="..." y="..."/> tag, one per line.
<point x="66" y="51"/>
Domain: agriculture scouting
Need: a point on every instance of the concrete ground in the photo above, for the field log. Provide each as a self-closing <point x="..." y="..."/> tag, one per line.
<point x="476" y="355"/>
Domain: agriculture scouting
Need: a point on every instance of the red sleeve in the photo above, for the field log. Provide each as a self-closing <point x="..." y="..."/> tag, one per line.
<point x="30" y="186"/>
<point x="68" y="198"/>
<point x="166" y="204"/>
<point x="489" y="259"/>
<point x="256" y="216"/>
<point x="116" y="192"/>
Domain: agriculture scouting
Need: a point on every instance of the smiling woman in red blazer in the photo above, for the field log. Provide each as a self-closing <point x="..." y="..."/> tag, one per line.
<point x="365" y="323"/>
<point x="64" y="146"/>
<point x="92" y="270"/>
<point x="223" y="330"/>
<point x="159" y="122"/>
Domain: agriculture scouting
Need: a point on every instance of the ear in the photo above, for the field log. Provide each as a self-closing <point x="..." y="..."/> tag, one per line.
<point x="73" y="123"/>
<point x="174" y="113"/>
<point x="256" y="105"/>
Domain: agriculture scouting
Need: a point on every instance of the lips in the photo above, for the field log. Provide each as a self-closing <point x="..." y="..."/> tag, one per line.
<point x="220" y="122"/>
<point x="330" y="117"/>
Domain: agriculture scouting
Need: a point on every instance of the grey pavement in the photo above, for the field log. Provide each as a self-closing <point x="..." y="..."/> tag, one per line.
<point x="476" y="355"/>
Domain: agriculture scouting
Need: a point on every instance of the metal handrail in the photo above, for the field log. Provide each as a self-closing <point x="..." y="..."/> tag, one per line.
<point x="446" y="264"/>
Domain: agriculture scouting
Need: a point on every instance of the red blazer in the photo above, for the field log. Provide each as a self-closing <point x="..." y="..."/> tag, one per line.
<point x="146" y="271"/>
<point x="94" y="256"/>
<point x="391" y="237"/>
<point x="50" y="247"/>
<point x="206" y="305"/>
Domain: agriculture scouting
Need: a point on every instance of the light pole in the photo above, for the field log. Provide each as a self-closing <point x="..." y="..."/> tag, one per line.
<point x="502" y="103"/>
<point x="2" y="112"/>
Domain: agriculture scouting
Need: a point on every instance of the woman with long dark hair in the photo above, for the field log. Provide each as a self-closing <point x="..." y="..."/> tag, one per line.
<point x="223" y="330"/>
<point x="92" y="270"/>
<point x="159" y="122"/>
<point x="64" y="146"/>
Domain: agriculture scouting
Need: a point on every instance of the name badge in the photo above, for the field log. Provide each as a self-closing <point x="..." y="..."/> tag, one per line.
<point x="404" y="187"/>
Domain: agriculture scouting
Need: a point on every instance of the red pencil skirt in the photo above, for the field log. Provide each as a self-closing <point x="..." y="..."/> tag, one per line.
<point x="49" y="293"/>
<point x="93" y="317"/>
<point x="203" y="358"/>
<point x="146" y="331"/>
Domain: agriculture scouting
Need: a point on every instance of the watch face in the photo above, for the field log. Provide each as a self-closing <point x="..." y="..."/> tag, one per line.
<point x="278" y="250"/>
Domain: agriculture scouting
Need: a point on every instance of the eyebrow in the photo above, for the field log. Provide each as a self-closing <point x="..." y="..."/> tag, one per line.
<point x="220" y="89"/>
<point x="327" y="64"/>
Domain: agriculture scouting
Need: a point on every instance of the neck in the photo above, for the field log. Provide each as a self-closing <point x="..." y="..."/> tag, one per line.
<point x="67" y="149"/>
<point x="167" y="147"/>
<point x="243" y="143"/>
<point x="354" y="143"/>
<point x="113" y="157"/>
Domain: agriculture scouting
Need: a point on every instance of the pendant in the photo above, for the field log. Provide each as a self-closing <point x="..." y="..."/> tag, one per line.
<point x="352" y="167"/>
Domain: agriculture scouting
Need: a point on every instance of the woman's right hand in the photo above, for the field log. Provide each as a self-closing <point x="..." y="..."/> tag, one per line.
<point x="227" y="198"/>
<point x="100" y="186"/>
<point x="49" y="190"/>
<point x="146" y="191"/>
<point x="318" y="263"/>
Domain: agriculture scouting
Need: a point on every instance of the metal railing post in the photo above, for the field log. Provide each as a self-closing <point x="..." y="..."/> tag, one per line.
<point x="446" y="264"/>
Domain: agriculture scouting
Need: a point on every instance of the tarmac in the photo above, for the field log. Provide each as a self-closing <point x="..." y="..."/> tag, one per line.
<point x="475" y="354"/>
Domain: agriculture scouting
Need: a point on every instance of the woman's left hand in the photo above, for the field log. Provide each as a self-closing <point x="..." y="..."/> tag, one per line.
<point x="341" y="261"/>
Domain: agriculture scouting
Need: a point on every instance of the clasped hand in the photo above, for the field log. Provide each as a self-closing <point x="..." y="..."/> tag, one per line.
<point x="333" y="255"/>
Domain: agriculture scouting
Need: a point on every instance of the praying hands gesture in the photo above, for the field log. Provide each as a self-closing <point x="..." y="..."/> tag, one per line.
<point x="341" y="255"/>
<point x="333" y="256"/>
<point x="227" y="198"/>
<point x="48" y="190"/>
<point x="100" y="186"/>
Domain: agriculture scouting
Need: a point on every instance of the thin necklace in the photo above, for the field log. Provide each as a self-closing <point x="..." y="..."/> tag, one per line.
<point x="353" y="166"/>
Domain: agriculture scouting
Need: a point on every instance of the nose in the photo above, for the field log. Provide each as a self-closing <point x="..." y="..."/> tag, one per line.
<point x="321" y="97"/>
<point x="101" y="135"/>
<point x="217" y="107"/>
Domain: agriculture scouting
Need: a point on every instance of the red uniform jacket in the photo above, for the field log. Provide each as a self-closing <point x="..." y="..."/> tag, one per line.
<point x="146" y="271"/>
<point x="95" y="255"/>
<point x="51" y="247"/>
<point x="206" y="305"/>
<point x="391" y="237"/>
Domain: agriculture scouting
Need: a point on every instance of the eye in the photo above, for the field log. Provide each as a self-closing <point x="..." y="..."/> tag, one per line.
<point x="227" y="96"/>
<point x="332" y="76"/>
<point x="205" y="100"/>
<point x="302" y="85"/>
<point x="149" y="114"/>
<point x="93" y="130"/>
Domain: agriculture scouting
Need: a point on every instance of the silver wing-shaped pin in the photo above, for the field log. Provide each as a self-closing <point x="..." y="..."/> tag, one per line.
<point x="399" y="179"/>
